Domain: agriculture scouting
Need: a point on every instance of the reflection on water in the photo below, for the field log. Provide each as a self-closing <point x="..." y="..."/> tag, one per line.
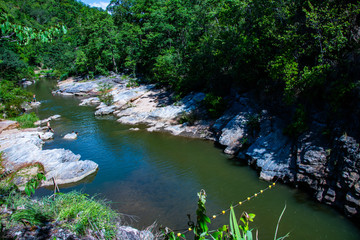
<point x="156" y="176"/>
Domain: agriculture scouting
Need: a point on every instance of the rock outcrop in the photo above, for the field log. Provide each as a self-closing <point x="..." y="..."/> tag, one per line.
<point x="141" y="105"/>
<point x="8" y="125"/>
<point x="44" y="121"/>
<point x="23" y="148"/>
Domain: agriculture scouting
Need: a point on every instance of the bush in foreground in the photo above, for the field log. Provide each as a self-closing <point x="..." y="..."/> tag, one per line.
<point x="73" y="211"/>
<point x="26" y="120"/>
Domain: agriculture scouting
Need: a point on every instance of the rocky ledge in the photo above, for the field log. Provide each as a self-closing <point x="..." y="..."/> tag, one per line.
<point x="328" y="167"/>
<point x="22" y="149"/>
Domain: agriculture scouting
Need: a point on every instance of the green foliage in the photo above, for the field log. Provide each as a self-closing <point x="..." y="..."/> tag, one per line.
<point x="22" y="35"/>
<point x="11" y="98"/>
<point x="236" y="230"/>
<point x="253" y="122"/>
<point x="301" y="51"/>
<point x="132" y="83"/>
<point x="80" y="214"/>
<point x="11" y="64"/>
<point x="105" y="95"/>
<point x="83" y="213"/>
<point x="32" y="214"/>
<point x="26" y="120"/>
<point x="241" y="232"/>
<point x="189" y="118"/>
<point x="215" y="105"/>
<point x="167" y="68"/>
<point x="33" y="183"/>
<point x="201" y="228"/>
<point x="298" y="124"/>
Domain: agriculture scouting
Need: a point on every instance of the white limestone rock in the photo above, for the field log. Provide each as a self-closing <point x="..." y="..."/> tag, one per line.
<point x="70" y="136"/>
<point x="22" y="147"/>
<point x="46" y="136"/>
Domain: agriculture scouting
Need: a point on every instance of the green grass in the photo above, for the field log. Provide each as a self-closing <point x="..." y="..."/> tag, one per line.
<point x="26" y="120"/>
<point x="80" y="214"/>
<point x="83" y="213"/>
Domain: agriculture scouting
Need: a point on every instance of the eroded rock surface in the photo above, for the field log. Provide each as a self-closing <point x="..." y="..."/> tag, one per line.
<point x="24" y="147"/>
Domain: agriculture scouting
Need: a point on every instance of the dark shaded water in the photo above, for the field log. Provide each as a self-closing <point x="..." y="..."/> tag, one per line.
<point x="156" y="176"/>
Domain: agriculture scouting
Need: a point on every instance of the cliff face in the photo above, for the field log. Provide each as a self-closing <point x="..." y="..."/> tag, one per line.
<point x="327" y="166"/>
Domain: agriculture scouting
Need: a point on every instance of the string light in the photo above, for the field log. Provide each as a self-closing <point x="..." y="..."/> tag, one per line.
<point x="239" y="203"/>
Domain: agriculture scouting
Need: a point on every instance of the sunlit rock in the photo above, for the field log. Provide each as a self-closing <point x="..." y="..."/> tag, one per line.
<point x="72" y="135"/>
<point x="46" y="135"/>
<point x="24" y="147"/>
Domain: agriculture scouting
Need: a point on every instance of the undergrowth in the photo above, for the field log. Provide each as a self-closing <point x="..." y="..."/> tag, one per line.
<point x="26" y="120"/>
<point x="83" y="214"/>
<point x="237" y="229"/>
<point x="78" y="212"/>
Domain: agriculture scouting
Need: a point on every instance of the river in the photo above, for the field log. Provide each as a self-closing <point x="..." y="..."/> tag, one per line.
<point x="156" y="176"/>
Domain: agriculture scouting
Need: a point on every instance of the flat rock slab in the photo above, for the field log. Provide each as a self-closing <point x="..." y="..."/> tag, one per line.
<point x="8" y="124"/>
<point x="24" y="147"/>
<point x="41" y="122"/>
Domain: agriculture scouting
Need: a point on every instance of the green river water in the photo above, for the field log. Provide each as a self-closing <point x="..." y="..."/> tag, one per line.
<point x="155" y="177"/>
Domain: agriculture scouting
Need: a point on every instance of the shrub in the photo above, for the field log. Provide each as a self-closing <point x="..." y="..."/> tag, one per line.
<point x="132" y="83"/>
<point x="298" y="124"/>
<point x="189" y="118"/>
<point x="236" y="230"/>
<point x="83" y="213"/>
<point x="215" y="105"/>
<point x="26" y="120"/>
<point x="104" y="93"/>
<point x="11" y="98"/>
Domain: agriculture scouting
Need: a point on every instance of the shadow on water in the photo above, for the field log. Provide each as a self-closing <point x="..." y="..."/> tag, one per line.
<point x="86" y="180"/>
<point x="156" y="176"/>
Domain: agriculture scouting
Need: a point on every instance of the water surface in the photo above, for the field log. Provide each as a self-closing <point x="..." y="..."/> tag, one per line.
<point x="156" y="176"/>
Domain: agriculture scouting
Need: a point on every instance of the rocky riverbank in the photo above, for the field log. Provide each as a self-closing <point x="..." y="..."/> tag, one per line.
<point x="326" y="166"/>
<point x="22" y="149"/>
<point x="22" y="158"/>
